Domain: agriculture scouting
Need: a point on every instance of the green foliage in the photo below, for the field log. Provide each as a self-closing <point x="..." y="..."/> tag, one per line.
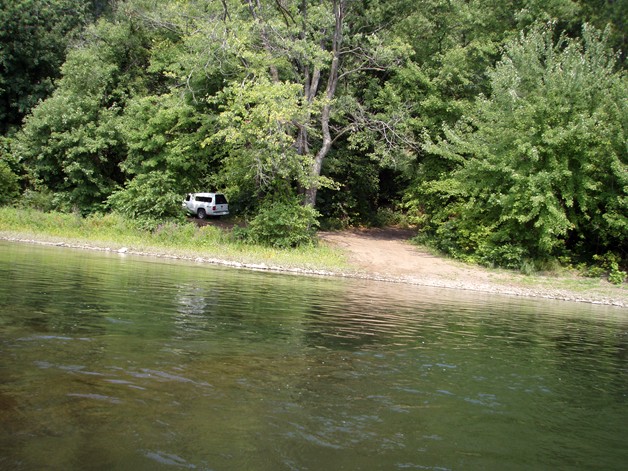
<point x="164" y="134"/>
<point x="257" y="126"/>
<point x="542" y="162"/>
<point x="9" y="186"/>
<point x="386" y="217"/>
<point x="149" y="196"/>
<point x="69" y="143"/>
<point x="33" y="41"/>
<point x="455" y="44"/>
<point x="604" y="13"/>
<point x="617" y="277"/>
<point x="72" y="142"/>
<point x="9" y="180"/>
<point x="112" y="231"/>
<point x="609" y="265"/>
<point x="357" y="200"/>
<point x="40" y="200"/>
<point x="161" y="98"/>
<point x="284" y="223"/>
<point x="168" y="233"/>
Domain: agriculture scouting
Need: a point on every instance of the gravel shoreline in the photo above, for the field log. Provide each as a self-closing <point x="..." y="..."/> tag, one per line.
<point x="610" y="299"/>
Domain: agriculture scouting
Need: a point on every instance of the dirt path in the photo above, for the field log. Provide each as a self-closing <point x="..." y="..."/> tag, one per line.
<point x="387" y="254"/>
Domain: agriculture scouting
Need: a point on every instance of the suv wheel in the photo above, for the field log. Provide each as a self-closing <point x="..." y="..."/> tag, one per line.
<point x="201" y="213"/>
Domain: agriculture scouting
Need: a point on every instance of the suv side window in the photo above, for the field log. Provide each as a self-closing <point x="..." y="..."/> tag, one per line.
<point x="204" y="199"/>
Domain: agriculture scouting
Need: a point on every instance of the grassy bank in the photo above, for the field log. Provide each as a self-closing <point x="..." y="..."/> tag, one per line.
<point x="184" y="239"/>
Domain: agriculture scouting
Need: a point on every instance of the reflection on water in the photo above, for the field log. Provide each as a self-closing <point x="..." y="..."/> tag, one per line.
<point x="110" y="362"/>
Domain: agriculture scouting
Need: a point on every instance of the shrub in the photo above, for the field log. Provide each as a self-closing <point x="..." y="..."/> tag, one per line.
<point x="150" y="196"/>
<point x="42" y="200"/>
<point x="9" y="187"/>
<point x="607" y="264"/>
<point x="389" y="217"/>
<point x="284" y="223"/>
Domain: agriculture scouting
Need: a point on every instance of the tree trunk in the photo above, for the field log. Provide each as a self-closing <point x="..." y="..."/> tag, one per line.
<point x="330" y="91"/>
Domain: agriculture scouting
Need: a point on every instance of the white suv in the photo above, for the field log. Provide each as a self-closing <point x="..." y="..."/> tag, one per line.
<point x="202" y="205"/>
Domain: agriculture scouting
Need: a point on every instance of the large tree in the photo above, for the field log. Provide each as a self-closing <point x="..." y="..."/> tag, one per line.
<point x="34" y="39"/>
<point x="542" y="163"/>
<point x="72" y="142"/>
<point x="282" y="63"/>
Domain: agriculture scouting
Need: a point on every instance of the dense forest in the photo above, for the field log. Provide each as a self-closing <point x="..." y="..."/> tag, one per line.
<point x="498" y="128"/>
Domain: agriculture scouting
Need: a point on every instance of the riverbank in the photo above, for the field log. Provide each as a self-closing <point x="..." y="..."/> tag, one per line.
<point x="374" y="254"/>
<point x="387" y="255"/>
<point x="378" y="255"/>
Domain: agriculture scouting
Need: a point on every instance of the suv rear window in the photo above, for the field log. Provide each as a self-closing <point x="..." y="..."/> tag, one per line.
<point x="220" y="199"/>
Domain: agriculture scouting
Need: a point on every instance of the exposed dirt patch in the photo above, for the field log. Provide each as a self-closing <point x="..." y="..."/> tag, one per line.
<point x="387" y="254"/>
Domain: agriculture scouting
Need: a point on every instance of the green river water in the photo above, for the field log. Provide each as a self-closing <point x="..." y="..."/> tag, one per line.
<point x="119" y="362"/>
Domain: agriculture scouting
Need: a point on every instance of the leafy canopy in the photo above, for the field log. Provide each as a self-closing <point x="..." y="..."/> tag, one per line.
<point x="542" y="164"/>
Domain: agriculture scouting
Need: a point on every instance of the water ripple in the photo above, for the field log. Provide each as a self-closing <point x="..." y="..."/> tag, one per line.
<point x="169" y="459"/>
<point x="97" y="397"/>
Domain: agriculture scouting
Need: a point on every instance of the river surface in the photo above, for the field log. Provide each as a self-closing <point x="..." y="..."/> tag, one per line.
<point x="110" y="361"/>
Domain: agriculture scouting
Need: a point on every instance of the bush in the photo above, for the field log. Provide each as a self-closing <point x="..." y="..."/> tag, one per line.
<point x="283" y="224"/>
<point x="538" y="167"/>
<point x="9" y="187"/>
<point x="505" y="256"/>
<point x="42" y="200"/>
<point x="389" y="217"/>
<point x="607" y="264"/>
<point x="150" y="197"/>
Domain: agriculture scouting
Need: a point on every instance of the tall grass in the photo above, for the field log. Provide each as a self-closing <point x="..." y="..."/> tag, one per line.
<point x="172" y="238"/>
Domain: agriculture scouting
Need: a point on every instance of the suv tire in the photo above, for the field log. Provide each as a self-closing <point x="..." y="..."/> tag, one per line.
<point x="201" y="214"/>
